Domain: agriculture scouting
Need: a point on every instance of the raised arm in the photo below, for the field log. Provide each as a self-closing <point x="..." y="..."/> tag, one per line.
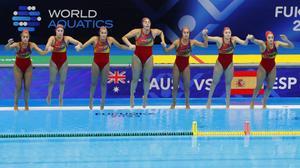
<point x="89" y="42"/>
<point x="240" y="41"/>
<point x="199" y="44"/>
<point x="258" y="42"/>
<point x="158" y="32"/>
<point x="132" y="33"/>
<point x="77" y="43"/>
<point x="215" y="39"/>
<point x="172" y="46"/>
<point x="73" y="41"/>
<point x="49" y="44"/>
<point x="11" y="45"/>
<point x="285" y="43"/>
<point x="116" y="43"/>
<point x="36" y="48"/>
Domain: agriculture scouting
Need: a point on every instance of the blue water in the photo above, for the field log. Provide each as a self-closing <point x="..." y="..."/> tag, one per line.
<point x="150" y="152"/>
<point x="178" y="151"/>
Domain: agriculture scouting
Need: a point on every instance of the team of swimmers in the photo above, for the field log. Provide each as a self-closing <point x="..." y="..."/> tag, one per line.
<point x="142" y="61"/>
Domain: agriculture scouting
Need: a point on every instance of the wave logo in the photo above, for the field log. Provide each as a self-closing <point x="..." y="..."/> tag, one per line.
<point x="26" y="17"/>
<point x="196" y="19"/>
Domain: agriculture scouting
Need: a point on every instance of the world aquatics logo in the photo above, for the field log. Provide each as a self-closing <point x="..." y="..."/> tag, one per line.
<point x="26" y="17"/>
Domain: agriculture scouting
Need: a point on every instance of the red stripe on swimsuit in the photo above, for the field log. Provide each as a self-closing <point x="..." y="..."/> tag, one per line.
<point x="23" y="60"/>
<point x="268" y="58"/>
<point x="144" y="45"/>
<point x="226" y="54"/>
<point x="59" y="54"/>
<point x="183" y="53"/>
<point x="101" y="53"/>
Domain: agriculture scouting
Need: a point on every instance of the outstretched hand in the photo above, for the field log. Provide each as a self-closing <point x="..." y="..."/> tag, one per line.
<point x="163" y="44"/>
<point x="250" y="37"/>
<point x="50" y="49"/>
<point x="283" y="37"/>
<point x="44" y="52"/>
<point x="78" y="47"/>
<point x="204" y="32"/>
<point x="132" y="47"/>
<point x="10" y="41"/>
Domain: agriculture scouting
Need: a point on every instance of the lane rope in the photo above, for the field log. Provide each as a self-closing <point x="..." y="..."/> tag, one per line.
<point x="246" y="132"/>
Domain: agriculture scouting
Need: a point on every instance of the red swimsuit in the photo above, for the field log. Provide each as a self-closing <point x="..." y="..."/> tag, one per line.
<point x="183" y="53"/>
<point x="23" y="60"/>
<point x="226" y="54"/>
<point x="59" y="54"/>
<point x="268" y="58"/>
<point x="144" y="45"/>
<point x="101" y="53"/>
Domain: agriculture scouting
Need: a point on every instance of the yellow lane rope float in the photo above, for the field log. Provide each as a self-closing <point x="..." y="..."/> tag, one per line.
<point x="246" y="132"/>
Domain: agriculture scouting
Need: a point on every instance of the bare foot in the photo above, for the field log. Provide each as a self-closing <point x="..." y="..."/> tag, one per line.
<point x="208" y="105"/>
<point x="252" y="105"/>
<point x="144" y="101"/>
<point x="26" y="108"/>
<point x="102" y="105"/>
<point x="227" y="104"/>
<point x="91" y="105"/>
<point x="16" y="108"/>
<point x="264" y="104"/>
<point x="173" y="106"/>
<point x="131" y="101"/>
<point x="187" y="106"/>
<point x="61" y="102"/>
<point x="48" y="100"/>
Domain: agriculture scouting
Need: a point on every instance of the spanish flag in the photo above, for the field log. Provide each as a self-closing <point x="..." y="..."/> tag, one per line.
<point x="244" y="82"/>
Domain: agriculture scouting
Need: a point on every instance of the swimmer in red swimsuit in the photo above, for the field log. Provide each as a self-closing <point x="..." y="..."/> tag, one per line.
<point x="101" y="45"/>
<point x="267" y="68"/>
<point x="142" y="60"/>
<point x="23" y="66"/>
<point x="224" y="64"/>
<point x="181" y="66"/>
<point x="58" y="64"/>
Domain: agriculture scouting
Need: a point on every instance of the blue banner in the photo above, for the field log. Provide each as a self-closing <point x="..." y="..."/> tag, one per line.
<point x="118" y="86"/>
